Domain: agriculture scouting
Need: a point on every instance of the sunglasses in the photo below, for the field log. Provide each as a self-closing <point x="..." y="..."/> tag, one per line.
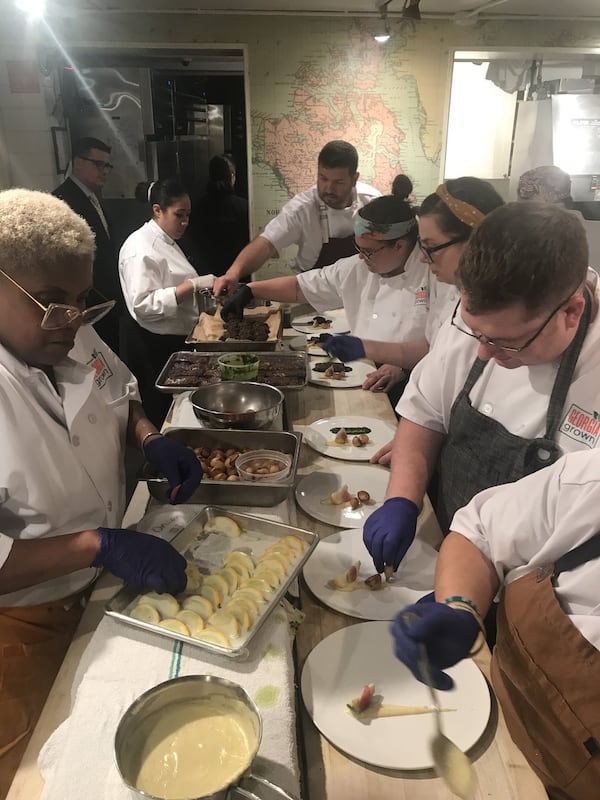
<point x="58" y="316"/>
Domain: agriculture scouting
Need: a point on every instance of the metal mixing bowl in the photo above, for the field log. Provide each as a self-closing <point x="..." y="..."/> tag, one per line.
<point x="232" y="404"/>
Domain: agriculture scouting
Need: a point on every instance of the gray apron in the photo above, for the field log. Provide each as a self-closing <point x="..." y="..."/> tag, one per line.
<point x="479" y="452"/>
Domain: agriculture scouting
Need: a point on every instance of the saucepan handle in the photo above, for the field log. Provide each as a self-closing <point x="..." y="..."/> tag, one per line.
<point x="276" y="791"/>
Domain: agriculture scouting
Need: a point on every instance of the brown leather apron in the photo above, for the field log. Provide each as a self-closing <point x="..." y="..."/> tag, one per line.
<point x="33" y="643"/>
<point x="547" y="678"/>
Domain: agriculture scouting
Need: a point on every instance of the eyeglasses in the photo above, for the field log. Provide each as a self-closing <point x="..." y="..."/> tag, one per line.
<point x="101" y="165"/>
<point x="489" y="343"/>
<point x="429" y="251"/>
<point x="58" y="316"/>
<point x="364" y="251"/>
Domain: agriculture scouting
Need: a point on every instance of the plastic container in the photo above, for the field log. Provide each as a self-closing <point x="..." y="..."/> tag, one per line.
<point x="238" y="366"/>
<point x="269" y="466"/>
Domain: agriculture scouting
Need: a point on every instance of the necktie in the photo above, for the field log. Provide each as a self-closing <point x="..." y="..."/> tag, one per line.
<point x="96" y="203"/>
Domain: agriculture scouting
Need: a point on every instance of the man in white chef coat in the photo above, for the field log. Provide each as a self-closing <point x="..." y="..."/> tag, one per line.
<point x="67" y="407"/>
<point x="538" y="541"/>
<point x="319" y="220"/>
<point x="512" y="381"/>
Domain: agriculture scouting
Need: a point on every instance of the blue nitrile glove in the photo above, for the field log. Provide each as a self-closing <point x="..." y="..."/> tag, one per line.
<point x="344" y="347"/>
<point x="447" y="633"/>
<point x="178" y="464"/>
<point x="142" y="560"/>
<point x="390" y="531"/>
<point x="233" y="307"/>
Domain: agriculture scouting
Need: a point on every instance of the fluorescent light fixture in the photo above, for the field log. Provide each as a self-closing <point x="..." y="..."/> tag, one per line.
<point x="382" y="38"/>
<point x="33" y="8"/>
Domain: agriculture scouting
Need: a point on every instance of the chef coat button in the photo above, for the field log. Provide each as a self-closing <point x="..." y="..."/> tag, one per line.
<point x="374" y="316"/>
<point x="92" y="418"/>
<point x="109" y="505"/>
<point x="487" y="408"/>
<point x="543" y="454"/>
<point x="75" y="441"/>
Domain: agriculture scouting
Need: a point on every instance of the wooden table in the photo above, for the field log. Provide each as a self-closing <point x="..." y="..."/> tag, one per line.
<point x="328" y="774"/>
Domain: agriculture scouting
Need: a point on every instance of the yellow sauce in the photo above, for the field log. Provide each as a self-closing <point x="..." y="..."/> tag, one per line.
<point x="196" y="748"/>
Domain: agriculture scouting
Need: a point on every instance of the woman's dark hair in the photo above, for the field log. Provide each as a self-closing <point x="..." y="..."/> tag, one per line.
<point x="162" y="193"/>
<point x="477" y="193"/>
<point x="402" y="187"/>
<point x="220" y="171"/>
<point x="392" y="208"/>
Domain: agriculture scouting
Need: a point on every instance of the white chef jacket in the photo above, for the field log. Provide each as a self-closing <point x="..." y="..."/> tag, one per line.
<point x="61" y="460"/>
<point x="524" y="525"/>
<point x="443" y="298"/>
<point x="378" y="308"/>
<point x="516" y="398"/>
<point x="151" y="265"/>
<point x="308" y="222"/>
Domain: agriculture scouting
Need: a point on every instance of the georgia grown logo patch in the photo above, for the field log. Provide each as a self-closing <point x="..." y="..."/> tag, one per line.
<point x="583" y="426"/>
<point x="100" y="367"/>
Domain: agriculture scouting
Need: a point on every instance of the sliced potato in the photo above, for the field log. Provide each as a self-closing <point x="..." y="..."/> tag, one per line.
<point x="263" y="586"/>
<point x="145" y="613"/>
<point x="191" y="620"/>
<point x="222" y="524"/>
<point x="286" y="554"/>
<point x="165" y="604"/>
<point x="201" y="605"/>
<point x="274" y="564"/>
<point x="218" y="582"/>
<point x="251" y="592"/>
<point x="232" y="578"/>
<point x="242" y="614"/>
<point x="226" y="622"/>
<point x="214" y="636"/>
<point x="239" y="557"/>
<point x="194" y="577"/>
<point x="285" y="561"/>
<point x="268" y="575"/>
<point x="242" y="570"/>
<point x="211" y="593"/>
<point x="249" y="602"/>
<point x="295" y="542"/>
<point x="175" y="625"/>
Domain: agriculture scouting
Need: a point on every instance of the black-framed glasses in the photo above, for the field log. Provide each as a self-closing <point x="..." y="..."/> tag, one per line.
<point x="57" y="315"/>
<point x="489" y="343"/>
<point x="101" y="165"/>
<point x="368" y="253"/>
<point x="429" y="251"/>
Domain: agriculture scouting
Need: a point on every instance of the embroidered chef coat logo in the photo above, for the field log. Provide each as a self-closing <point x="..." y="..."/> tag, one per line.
<point x="422" y="296"/>
<point x="583" y="426"/>
<point x="102" y="371"/>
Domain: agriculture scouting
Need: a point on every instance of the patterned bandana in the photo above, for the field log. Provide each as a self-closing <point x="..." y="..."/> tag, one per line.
<point x="382" y="231"/>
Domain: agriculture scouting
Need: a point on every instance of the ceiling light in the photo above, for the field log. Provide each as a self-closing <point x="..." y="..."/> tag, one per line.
<point x="382" y="35"/>
<point x="33" y="8"/>
<point x="382" y="30"/>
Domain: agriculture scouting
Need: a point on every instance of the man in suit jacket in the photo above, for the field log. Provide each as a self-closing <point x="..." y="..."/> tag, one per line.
<point x="90" y="169"/>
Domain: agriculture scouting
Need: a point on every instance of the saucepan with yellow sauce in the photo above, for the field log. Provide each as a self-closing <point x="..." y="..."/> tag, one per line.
<point x="191" y="738"/>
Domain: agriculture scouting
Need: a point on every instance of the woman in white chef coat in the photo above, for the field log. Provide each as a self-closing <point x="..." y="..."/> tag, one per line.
<point x="159" y="286"/>
<point x="446" y="220"/>
<point x="383" y="289"/>
<point x="536" y="541"/>
<point x="511" y="383"/>
<point x="67" y="407"/>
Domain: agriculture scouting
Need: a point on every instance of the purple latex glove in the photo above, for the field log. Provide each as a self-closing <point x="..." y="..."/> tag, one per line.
<point x="447" y="633"/>
<point x="142" y="560"/>
<point x="233" y="307"/>
<point x="178" y="464"/>
<point x="390" y="531"/>
<point x="346" y="348"/>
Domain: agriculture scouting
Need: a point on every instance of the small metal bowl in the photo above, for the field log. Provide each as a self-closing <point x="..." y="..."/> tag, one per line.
<point x="232" y="404"/>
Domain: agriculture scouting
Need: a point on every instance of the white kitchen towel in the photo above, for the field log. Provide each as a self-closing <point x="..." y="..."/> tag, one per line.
<point x="121" y="663"/>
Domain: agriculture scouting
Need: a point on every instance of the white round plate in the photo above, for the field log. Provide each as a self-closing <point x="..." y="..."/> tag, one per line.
<point x="312" y="489"/>
<point x="360" y="370"/>
<point x="301" y="343"/>
<point x="320" y="438"/>
<point x="339" y="666"/>
<point x="336" y="553"/>
<point x="304" y="323"/>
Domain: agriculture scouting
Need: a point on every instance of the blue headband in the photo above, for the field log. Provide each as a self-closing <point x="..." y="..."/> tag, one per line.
<point x="382" y="230"/>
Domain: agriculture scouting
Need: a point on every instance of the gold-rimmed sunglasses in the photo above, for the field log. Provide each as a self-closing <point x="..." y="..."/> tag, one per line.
<point x="58" y="316"/>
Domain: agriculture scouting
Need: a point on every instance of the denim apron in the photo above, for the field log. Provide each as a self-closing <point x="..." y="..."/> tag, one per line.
<point x="546" y="675"/>
<point x="479" y="452"/>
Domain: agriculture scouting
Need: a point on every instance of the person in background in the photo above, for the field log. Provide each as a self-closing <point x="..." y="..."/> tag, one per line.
<point x="159" y="285"/>
<point x="90" y="169"/>
<point x="546" y="184"/>
<point x="68" y="405"/>
<point x="446" y="220"/>
<point x="319" y="221"/>
<point x="219" y="219"/>
<point x="383" y="288"/>
<point x="512" y="381"/>
<point x="536" y="541"/>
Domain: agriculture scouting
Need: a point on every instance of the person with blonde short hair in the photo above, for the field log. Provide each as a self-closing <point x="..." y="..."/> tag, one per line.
<point x="68" y="406"/>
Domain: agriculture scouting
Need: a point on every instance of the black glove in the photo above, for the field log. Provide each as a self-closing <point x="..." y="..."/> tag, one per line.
<point x="233" y="308"/>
